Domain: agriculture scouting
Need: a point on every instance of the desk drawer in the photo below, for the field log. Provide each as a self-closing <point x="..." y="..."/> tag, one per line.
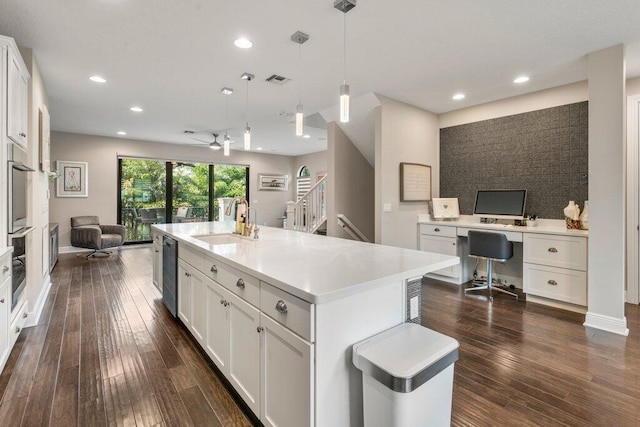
<point x="297" y="316"/>
<point x="438" y="230"/>
<point x="512" y="236"/>
<point x="556" y="251"/>
<point x="240" y="283"/>
<point x="555" y="283"/>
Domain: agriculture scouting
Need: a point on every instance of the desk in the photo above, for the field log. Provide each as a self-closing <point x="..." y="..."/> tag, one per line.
<point x="549" y="263"/>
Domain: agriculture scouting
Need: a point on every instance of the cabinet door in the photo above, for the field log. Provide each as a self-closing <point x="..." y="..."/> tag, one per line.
<point x="157" y="266"/>
<point x="184" y="292"/>
<point x="217" y="338"/>
<point x="287" y="377"/>
<point x="5" y="309"/>
<point x="444" y="246"/>
<point x="244" y="357"/>
<point x="17" y="101"/>
<point x="198" y="306"/>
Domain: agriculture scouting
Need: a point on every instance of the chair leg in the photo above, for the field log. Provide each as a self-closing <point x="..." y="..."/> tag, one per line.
<point x="101" y="252"/>
<point x="489" y="284"/>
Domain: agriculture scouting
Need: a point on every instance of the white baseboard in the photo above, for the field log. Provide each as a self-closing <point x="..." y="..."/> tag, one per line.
<point x="606" y="323"/>
<point x="34" y="316"/>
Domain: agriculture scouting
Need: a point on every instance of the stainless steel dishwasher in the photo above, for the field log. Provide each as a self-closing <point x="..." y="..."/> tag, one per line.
<point x="170" y="274"/>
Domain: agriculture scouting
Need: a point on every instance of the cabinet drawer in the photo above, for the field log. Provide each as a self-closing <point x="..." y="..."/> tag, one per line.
<point x="555" y="283"/>
<point x="290" y="311"/>
<point x="17" y="324"/>
<point x="556" y="251"/>
<point x="438" y="230"/>
<point x="240" y="283"/>
<point x="192" y="256"/>
<point x="5" y="266"/>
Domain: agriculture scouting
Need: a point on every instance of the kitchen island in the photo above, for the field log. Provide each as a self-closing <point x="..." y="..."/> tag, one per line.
<point x="278" y="315"/>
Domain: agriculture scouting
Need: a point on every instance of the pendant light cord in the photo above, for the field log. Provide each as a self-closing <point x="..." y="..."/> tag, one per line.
<point x="344" y="52"/>
<point x="299" y="74"/>
<point x="247" y="102"/>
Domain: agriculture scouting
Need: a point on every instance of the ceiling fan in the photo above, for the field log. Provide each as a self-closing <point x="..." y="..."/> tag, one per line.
<point x="204" y="137"/>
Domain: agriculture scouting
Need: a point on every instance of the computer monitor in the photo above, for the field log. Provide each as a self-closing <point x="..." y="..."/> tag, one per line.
<point x="500" y="204"/>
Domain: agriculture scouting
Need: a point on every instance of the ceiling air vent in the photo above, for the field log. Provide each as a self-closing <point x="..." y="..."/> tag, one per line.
<point x="277" y="80"/>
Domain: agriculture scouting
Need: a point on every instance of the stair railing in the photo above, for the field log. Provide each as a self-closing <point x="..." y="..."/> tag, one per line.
<point x="350" y="228"/>
<point x="310" y="211"/>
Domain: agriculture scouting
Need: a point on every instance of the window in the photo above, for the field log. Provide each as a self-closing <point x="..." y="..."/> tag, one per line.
<point x="303" y="181"/>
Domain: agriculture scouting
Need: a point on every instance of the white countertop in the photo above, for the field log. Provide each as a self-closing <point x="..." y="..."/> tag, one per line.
<point x="312" y="267"/>
<point x="543" y="226"/>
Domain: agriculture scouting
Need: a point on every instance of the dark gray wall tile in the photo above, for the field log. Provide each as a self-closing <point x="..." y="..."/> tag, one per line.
<point x="544" y="151"/>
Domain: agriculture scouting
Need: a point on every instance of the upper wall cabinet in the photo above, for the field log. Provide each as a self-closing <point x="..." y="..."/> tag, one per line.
<point x="17" y="78"/>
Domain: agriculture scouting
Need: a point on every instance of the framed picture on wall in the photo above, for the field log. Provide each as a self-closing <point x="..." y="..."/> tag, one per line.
<point x="73" y="180"/>
<point x="415" y="182"/>
<point x="273" y="182"/>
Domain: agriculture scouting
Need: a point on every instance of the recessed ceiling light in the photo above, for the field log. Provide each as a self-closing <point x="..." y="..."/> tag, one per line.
<point x="259" y="148"/>
<point x="243" y="43"/>
<point x="97" y="79"/>
<point x="136" y="109"/>
<point x="458" y="96"/>
<point x="306" y="136"/>
<point x="521" y="79"/>
<point x="121" y="132"/>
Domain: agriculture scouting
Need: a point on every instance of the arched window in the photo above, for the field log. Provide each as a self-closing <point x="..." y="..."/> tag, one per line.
<point x="303" y="181"/>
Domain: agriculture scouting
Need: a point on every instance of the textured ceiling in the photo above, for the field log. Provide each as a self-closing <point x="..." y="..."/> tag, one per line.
<point x="173" y="57"/>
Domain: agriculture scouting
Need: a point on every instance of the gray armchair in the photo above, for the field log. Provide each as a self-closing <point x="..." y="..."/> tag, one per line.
<point x="86" y="232"/>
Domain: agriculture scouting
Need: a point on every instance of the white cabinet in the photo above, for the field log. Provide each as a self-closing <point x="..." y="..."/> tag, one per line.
<point x="244" y="351"/>
<point x="184" y="292"/>
<point x="440" y="239"/>
<point x="555" y="268"/>
<point x="287" y="377"/>
<point x="192" y="303"/>
<point x="157" y="261"/>
<point x="217" y="343"/>
<point x="5" y="313"/>
<point x="17" y="92"/>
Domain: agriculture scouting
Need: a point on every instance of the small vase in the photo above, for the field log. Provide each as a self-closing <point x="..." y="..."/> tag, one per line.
<point x="584" y="218"/>
<point x="570" y="209"/>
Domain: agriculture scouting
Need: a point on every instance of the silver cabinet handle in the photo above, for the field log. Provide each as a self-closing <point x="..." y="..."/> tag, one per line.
<point x="552" y="283"/>
<point x="454" y="243"/>
<point x="17" y="330"/>
<point x="2" y="301"/>
<point x="5" y="268"/>
<point x="281" y="306"/>
<point x="436" y="229"/>
<point x="240" y="283"/>
<point x="260" y="329"/>
<point x="222" y="302"/>
<point x="552" y="250"/>
<point x="22" y="134"/>
<point x="24" y="315"/>
<point x="214" y="268"/>
<point x="157" y="251"/>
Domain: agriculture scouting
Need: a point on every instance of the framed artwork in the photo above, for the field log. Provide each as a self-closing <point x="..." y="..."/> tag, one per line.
<point x="273" y="182"/>
<point x="445" y="208"/>
<point x="45" y="138"/>
<point x="415" y="182"/>
<point x="73" y="181"/>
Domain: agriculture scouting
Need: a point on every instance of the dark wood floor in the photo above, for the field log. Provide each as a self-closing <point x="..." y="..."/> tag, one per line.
<point x="107" y="352"/>
<point x="524" y="364"/>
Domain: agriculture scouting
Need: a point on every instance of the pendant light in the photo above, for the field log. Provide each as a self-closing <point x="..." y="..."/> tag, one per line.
<point x="344" y="6"/>
<point x="226" y="142"/>
<point x="247" y="130"/>
<point x="299" y="37"/>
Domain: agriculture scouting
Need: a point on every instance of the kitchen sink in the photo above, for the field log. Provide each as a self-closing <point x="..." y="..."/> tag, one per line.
<point x="223" y="239"/>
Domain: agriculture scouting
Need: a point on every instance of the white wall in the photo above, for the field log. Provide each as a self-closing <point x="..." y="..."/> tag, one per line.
<point x="607" y="202"/>
<point x="404" y="133"/>
<point x="38" y="206"/>
<point x="315" y="162"/>
<point x="102" y="155"/>
<point x="350" y="185"/>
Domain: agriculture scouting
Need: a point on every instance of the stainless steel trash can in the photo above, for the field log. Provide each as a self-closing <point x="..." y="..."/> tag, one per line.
<point x="407" y="376"/>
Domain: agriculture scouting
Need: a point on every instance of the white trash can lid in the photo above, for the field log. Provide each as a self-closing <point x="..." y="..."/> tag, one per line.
<point x="405" y="356"/>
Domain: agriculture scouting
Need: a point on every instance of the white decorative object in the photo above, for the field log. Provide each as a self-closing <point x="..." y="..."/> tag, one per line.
<point x="584" y="217"/>
<point x="570" y="209"/>
<point x="445" y="208"/>
<point x="572" y="215"/>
